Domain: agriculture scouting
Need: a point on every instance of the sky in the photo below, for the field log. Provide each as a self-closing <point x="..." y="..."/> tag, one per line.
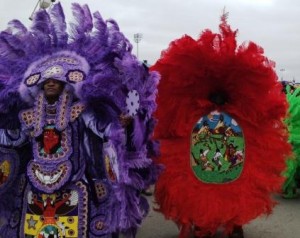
<point x="272" y="24"/>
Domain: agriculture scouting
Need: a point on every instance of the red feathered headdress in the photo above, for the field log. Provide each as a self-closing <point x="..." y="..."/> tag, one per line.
<point x="201" y="76"/>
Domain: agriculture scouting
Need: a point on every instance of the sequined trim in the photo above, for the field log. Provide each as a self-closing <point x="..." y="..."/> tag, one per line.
<point x="75" y="76"/>
<point x="76" y="110"/>
<point x="83" y="219"/>
<point x="27" y="118"/>
<point x="63" y="110"/>
<point x="33" y="79"/>
<point x="65" y="59"/>
<point x="101" y="189"/>
<point x="40" y="114"/>
<point x="98" y="226"/>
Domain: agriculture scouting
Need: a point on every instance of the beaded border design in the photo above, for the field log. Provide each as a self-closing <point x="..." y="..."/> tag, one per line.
<point x="40" y="114"/>
<point x="63" y="110"/>
<point x="49" y="177"/>
<point x="63" y="59"/>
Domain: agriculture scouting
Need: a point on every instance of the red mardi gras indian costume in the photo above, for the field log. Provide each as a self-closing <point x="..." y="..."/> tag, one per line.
<point x="215" y="96"/>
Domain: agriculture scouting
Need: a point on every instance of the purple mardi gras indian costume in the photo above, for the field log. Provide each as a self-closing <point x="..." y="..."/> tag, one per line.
<point x="71" y="168"/>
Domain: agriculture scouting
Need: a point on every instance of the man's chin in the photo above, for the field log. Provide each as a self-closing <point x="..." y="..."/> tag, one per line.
<point x="51" y="97"/>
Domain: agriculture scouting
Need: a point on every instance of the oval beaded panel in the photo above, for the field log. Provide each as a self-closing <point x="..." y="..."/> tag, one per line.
<point x="217" y="151"/>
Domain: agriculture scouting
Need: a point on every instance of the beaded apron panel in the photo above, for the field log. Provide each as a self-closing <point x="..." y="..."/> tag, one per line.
<point x="60" y="214"/>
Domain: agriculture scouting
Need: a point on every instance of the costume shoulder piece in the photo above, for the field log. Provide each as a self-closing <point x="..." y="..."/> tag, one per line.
<point x="220" y="121"/>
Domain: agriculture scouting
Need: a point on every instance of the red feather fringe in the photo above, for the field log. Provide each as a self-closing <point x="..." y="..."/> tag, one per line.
<point x="191" y="70"/>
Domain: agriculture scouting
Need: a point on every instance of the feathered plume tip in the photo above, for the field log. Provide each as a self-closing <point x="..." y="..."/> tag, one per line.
<point x="198" y="77"/>
<point x="293" y="124"/>
<point x="114" y="72"/>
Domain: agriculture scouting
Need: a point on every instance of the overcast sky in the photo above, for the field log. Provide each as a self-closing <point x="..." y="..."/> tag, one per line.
<point x="273" y="24"/>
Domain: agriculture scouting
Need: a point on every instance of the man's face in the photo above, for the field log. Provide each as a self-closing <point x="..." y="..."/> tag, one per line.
<point x="53" y="88"/>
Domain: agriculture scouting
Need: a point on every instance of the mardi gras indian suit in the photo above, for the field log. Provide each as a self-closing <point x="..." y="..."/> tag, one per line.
<point x="293" y="124"/>
<point x="223" y="140"/>
<point x="70" y="168"/>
